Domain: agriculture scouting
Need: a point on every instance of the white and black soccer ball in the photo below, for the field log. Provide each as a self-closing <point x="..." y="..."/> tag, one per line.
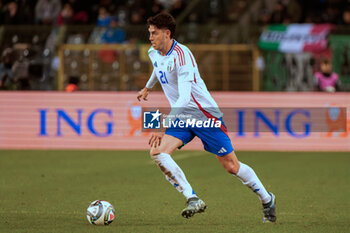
<point x="100" y="213"/>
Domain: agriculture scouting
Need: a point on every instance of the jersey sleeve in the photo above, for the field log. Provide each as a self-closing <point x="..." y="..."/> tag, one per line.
<point x="152" y="80"/>
<point x="185" y="65"/>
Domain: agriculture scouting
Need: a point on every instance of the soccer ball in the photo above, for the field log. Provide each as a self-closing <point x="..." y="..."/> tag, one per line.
<point x="100" y="213"/>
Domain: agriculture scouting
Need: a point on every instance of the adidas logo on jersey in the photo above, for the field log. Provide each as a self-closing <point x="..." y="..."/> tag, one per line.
<point x="222" y="150"/>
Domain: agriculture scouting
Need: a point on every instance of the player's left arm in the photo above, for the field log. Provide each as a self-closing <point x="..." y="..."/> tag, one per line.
<point x="184" y="94"/>
<point x="182" y="101"/>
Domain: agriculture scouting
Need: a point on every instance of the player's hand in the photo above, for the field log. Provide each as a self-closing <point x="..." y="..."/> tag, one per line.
<point x="155" y="139"/>
<point x="143" y="94"/>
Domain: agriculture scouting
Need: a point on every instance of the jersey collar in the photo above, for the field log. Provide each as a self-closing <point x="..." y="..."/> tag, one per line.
<point x="171" y="49"/>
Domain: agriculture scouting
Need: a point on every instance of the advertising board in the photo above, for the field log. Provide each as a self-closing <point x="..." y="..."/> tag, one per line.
<point x="106" y="120"/>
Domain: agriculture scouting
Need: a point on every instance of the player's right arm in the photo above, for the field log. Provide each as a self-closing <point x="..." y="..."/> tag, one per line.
<point x="151" y="82"/>
<point x="145" y="91"/>
<point x="156" y="137"/>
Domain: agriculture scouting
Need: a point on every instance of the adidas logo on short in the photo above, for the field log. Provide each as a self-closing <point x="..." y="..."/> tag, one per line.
<point x="222" y="150"/>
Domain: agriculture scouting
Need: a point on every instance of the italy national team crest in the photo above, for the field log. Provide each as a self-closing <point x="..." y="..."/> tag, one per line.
<point x="170" y="66"/>
<point x="151" y="120"/>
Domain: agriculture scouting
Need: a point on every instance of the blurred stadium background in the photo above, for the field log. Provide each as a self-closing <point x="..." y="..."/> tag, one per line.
<point x="251" y="54"/>
<point x="46" y="42"/>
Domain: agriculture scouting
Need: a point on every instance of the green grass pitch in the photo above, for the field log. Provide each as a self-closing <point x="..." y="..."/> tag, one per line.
<point x="49" y="191"/>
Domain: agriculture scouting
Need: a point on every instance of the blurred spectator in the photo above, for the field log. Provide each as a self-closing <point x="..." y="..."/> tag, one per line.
<point x="138" y="11"/>
<point x="287" y="20"/>
<point x="11" y="14"/>
<point x="113" y="34"/>
<point x="331" y="15"/>
<point x="68" y="16"/>
<point x="90" y="7"/>
<point x="326" y="79"/>
<point x="313" y="17"/>
<point x="294" y="11"/>
<point x="192" y="32"/>
<point x="46" y="11"/>
<point x="104" y="17"/>
<point x="298" y="11"/>
<point x="264" y="17"/>
<point x="6" y="74"/>
<point x="177" y="8"/>
<point x="20" y="68"/>
<point x="27" y="11"/>
<point x="167" y="4"/>
<point x="110" y="5"/>
<point x="278" y="13"/>
<point x="152" y="9"/>
<point x="79" y="5"/>
<point x="234" y="10"/>
<point x="122" y="14"/>
<point x="72" y="85"/>
<point x="345" y="19"/>
<point x="137" y="16"/>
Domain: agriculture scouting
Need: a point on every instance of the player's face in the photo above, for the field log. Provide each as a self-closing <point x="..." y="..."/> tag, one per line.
<point x="158" y="37"/>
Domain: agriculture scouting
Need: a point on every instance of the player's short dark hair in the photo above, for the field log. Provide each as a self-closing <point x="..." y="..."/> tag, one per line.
<point x="163" y="20"/>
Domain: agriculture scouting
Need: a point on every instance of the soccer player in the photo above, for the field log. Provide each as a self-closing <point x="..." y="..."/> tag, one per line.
<point x="176" y="69"/>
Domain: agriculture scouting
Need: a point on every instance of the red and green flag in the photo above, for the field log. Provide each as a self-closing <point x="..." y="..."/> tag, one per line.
<point x="295" y="38"/>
